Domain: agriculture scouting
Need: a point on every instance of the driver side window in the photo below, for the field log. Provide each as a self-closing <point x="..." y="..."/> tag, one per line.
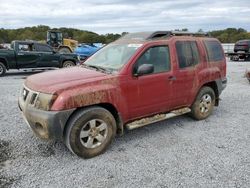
<point x="158" y="56"/>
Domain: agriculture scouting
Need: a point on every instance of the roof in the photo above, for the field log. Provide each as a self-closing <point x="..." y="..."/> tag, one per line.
<point x="144" y="36"/>
<point x="27" y="41"/>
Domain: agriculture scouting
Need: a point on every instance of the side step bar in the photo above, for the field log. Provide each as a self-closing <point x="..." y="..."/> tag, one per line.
<point x="159" y="117"/>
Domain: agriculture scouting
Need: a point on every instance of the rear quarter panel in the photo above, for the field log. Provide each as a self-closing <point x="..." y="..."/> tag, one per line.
<point x="212" y="70"/>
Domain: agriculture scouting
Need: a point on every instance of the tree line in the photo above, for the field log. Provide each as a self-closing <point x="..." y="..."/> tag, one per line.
<point x="38" y="33"/>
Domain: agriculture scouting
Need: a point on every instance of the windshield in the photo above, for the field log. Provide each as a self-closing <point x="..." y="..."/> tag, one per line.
<point x="113" y="56"/>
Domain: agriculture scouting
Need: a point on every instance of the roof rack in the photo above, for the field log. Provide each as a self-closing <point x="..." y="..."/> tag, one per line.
<point x="160" y="34"/>
<point x="186" y="33"/>
<point x="164" y="34"/>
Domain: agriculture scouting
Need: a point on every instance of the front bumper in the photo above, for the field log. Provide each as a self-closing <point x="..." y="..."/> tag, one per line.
<point x="45" y="124"/>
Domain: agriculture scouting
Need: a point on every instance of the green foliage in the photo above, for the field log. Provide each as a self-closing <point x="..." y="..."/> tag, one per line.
<point x="39" y="33"/>
<point x="229" y="35"/>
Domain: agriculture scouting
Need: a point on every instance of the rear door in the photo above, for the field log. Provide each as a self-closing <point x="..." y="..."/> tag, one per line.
<point x="27" y="57"/>
<point x="188" y="65"/>
<point x="48" y="58"/>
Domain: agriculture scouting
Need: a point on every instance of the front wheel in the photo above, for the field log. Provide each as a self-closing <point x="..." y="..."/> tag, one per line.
<point x="204" y="103"/>
<point x="2" y="69"/>
<point x="90" y="131"/>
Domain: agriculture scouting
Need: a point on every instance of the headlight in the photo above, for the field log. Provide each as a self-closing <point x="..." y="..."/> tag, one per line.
<point x="45" y="101"/>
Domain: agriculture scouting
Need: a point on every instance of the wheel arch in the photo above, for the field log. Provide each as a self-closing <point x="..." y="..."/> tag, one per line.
<point x="111" y="108"/>
<point x="4" y="61"/>
<point x="214" y="86"/>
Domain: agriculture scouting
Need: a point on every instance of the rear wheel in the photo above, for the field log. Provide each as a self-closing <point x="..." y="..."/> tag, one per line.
<point x="2" y="69"/>
<point x="68" y="64"/>
<point x="90" y="132"/>
<point x="204" y="104"/>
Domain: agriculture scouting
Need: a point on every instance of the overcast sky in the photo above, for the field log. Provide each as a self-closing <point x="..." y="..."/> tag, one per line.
<point x="116" y="16"/>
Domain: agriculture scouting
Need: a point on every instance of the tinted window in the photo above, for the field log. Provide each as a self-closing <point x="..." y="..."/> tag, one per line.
<point x="214" y="51"/>
<point x="157" y="56"/>
<point x="43" y="48"/>
<point x="242" y="42"/>
<point x="188" y="54"/>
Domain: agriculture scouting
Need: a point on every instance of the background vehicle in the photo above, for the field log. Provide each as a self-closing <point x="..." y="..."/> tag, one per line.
<point x="55" y="39"/>
<point x="242" y="45"/>
<point x="29" y="54"/>
<point x="241" y="51"/>
<point x="137" y="80"/>
<point x="86" y="50"/>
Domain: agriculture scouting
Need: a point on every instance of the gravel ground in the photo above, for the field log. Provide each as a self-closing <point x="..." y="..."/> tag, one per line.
<point x="179" y="152"/>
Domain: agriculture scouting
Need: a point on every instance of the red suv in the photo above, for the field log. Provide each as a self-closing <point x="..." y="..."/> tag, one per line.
<point x="139" y="79"/>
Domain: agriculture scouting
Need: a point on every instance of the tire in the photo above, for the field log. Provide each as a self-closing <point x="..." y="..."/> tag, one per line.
<point x="2" y="69"/>
<point x="68" y="64"/>
<point x="203" y="104"/>
<point x="64" y="50"/>
<point x="90" y="131"/>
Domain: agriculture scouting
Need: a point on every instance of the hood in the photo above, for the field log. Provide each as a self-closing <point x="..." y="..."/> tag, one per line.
<point x="57" y="80"/>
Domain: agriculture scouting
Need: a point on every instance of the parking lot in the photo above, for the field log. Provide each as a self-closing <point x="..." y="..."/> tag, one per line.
<point x="179" y="152"/>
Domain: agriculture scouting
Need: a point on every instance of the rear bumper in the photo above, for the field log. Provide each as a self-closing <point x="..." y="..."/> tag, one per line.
<point x="45" y="124"/>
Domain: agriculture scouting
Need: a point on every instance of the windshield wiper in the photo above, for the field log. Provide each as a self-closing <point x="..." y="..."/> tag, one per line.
<point x="98" y="68"/>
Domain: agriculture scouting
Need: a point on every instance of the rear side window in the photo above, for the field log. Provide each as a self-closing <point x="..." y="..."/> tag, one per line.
<point x="43" y="48"/>
<point x="214" y="51"/>
<point x="243" y="42"/>
<point x="188" y="54"/>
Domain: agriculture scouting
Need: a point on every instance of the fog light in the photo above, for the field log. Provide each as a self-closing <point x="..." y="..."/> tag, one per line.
<point x="40" y="130"/>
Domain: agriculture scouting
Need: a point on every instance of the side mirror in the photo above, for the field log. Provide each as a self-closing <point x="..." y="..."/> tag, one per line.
<point x="54" y="51"/>
<point x="144" y="69"/>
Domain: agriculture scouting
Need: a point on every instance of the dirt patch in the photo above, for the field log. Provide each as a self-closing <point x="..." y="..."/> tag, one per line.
<point x="5" y="152"/>
<point x="46" y="150"/>
<point x="5" y="159"/>
<point x="6" y="182"/>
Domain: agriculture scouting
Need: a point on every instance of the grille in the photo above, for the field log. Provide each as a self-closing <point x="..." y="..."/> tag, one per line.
<point x="29" y="96"/>
<point x="33" y="98"/>
<point x="25" y="94"/>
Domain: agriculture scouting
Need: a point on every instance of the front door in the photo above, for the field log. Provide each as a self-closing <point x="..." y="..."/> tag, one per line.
<point x="151" y="93"/>
<point x="48" y="57"/>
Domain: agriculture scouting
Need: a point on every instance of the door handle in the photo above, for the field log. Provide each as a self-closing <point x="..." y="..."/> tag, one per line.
<point x="171" y="78"/>
<point x="20" y="54"/>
